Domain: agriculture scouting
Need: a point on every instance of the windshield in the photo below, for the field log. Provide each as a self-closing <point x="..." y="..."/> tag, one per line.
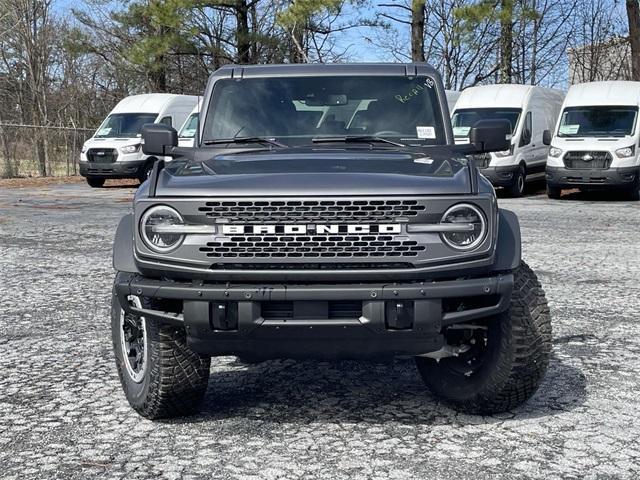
<point x="189" y="128"/>
<point x="464" y="119"/>
<point x="599" y="121"/>
<point x="124" y="125"/>
<point x="295" y="110"/>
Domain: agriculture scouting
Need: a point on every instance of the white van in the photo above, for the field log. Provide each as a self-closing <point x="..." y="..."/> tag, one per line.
<point x="187" y="132"/>
<point x="114" y="150"/>
<point x="596" y="143"/>
<point x="530" y="110"/>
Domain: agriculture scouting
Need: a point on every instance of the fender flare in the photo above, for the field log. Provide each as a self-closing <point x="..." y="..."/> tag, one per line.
<point x="509" y="244"/>
<point x="123" y="260"/>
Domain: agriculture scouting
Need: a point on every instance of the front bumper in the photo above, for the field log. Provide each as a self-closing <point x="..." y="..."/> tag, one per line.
<point x="129" y="169"/>
<point x="560" y="177"/>
<point x="503" y="176"/>
<point x="299" y="321"/>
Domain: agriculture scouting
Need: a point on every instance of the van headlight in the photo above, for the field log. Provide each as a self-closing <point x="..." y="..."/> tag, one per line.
<point x="505" y="153"/>
<point x="465" y="213"/>
<point x="130" y="148"/>
<point x="154" y="231"/>
<point x="555" y="152"/>
<point x="625" y="152"/>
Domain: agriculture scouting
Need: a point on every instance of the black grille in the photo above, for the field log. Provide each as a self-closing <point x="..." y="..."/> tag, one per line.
<point x="310" y="266"/>
<point x="578" y="160"/>
<point x="333" y="310"/>
<point x="288" y="211"/>
<point x="102" y="155"/>
<point x="316" y="246"/>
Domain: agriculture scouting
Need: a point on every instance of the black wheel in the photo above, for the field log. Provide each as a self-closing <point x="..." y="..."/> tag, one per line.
<point x="501" y="360"/>
<point x="516" y="189"/>
<point x="554" y="192"/>
<point x="95" y="182"/>
<point x="160" y="375"/>
<point x="633" y="194"/>
<point x="145" y="171"/>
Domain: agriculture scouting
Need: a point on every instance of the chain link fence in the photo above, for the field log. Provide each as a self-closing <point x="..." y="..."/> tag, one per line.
<point x="34" y="150"/>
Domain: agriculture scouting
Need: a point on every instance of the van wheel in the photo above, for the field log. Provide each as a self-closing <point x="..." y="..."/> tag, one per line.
<point x="554" y="192"/>
<point x="160" y="375"/>
<point x="634" y="193"/>
<point x="517" y="187"/>
<point x="95" y="182"/>
<point x="502" y="360"/>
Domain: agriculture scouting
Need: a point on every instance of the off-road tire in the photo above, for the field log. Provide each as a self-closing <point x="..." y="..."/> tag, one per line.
<point x="554" y="192"/>
<point x="517" y="188"/>
<point x="175" y="378"/>
<point x="95" y="182"/>
<point x="518" y="350"/>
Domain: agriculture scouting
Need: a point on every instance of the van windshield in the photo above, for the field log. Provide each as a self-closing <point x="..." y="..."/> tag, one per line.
<point x="600" y="121"/>
<point x="295" y="110"/>
<point x="188" y="130"/>
<point x="464" y="119"/>
<point x="124" y="125"/>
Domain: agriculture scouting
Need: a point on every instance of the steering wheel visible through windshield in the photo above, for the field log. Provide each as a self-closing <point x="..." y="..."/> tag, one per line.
<point x="295" y="110"/>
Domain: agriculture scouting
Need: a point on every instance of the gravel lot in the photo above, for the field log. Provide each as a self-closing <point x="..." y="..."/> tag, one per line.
<point x="62" y="413"/>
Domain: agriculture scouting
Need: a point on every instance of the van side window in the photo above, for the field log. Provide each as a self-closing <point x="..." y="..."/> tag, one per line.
<point x="525" y="137"/>
<point x="166" y="120"/>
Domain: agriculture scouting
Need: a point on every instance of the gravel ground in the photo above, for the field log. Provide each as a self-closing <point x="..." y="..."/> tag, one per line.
<point x="63" y="415"/>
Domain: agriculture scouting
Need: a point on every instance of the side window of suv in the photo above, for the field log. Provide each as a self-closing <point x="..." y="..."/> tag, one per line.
<point x="525" y="137"/>
<point x="166" y="120"/>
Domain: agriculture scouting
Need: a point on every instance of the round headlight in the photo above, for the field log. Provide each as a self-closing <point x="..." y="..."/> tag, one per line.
<point x="465" y="214"/>
<point x="157" y="238"/>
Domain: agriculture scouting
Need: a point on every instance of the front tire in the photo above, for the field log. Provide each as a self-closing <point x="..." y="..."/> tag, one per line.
<point x="95" y="182"/>
<point x="160" y="375"/>
<point x="519" y="181"/>
<point x="507" y="355"/>
<point x="554" y="192"/>
<point x="145" y="171"/>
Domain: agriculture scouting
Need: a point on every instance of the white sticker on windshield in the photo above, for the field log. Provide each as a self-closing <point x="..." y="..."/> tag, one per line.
<point x="569" y="129"/>
<point x="461" y="131"/>
<point x="425" y="160"/>
<point x="425" y="132"/>
<point x="104" y="131"/>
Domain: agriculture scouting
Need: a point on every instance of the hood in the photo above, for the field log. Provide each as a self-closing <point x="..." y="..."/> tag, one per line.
<point x="111" y="142"/>
<point x="321" y="171"/>
<point x="592" y="143"/>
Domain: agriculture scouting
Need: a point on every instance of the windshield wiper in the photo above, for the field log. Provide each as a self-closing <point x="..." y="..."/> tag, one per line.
<point x="267" y="141"/>
<point x="356" y="139"/>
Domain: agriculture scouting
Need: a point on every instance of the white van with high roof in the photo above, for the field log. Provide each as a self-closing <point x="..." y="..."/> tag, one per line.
<point x="530" y="110"/>
<point x="114" y="150"/>
<point x="595" y="145"/>
<point x="188" y="130"/>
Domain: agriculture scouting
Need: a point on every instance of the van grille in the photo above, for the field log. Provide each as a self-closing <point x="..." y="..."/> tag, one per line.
<point x="586" y="160"/>
<point x="102" y="155"/>
<point x="288" y="211"/>
<point x="316" y="246"/>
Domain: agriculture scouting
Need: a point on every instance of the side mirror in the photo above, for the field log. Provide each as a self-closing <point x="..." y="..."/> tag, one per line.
<point x="158" y="139"/>
<point x="490" y="136"/>
<point x="546" y="137"/>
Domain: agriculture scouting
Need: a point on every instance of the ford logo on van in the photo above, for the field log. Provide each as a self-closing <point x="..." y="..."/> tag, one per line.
<point x="587" y="157"/>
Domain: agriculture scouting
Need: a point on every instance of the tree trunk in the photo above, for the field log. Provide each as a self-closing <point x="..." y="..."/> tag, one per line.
<point x="506" y="40"/>
<point x="243" y="42"/>
<point x="633" y="14"/>
<point x="417" y="30"/>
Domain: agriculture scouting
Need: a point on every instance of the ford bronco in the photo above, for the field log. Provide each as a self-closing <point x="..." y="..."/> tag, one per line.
<point x="325" y="212"/>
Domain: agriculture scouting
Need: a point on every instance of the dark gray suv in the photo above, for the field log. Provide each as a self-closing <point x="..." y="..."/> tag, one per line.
<point x="325" y="212"/>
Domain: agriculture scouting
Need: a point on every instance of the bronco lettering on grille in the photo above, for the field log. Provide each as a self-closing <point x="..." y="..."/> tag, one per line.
<point x="305" y="229"/>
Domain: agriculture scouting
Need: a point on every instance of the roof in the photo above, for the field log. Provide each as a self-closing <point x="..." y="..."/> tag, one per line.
<point x="603" y="93"/>
<point x="501" y="96"/>
<point x="315" y="69"/>
<point x="150" y="102"/>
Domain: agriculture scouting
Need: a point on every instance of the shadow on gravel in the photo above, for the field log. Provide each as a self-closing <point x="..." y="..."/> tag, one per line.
<point x="597" y="196"/>
<point x="305" y="392"/>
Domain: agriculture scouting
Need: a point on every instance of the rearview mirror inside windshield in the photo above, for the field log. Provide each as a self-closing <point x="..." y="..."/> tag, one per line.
<point x="326" y="100"/>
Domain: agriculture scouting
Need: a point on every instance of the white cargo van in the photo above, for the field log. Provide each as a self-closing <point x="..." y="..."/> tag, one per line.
<point x="187" y="133"/>
<point x="452" y="98"/>
<point x="530" y="110"/>
<point x="114" y="150"/>
<point x="596" y="142"/>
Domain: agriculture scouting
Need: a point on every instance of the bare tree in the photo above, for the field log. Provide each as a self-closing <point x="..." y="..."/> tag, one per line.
<point x="633" y="16"/>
